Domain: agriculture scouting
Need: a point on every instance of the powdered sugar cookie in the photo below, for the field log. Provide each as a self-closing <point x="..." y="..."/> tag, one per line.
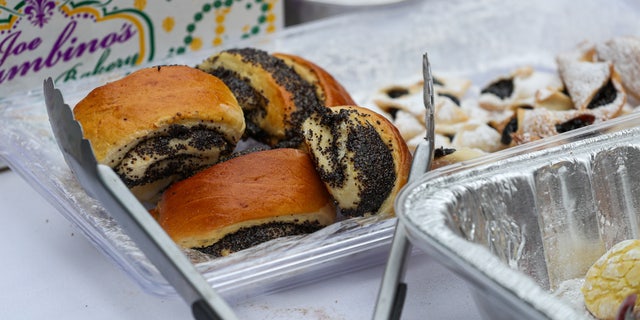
<point x="517" y="89"/>
<point x="624" y="53"/>
<point x="479" y="136"/>
<point x="593" y="86"/>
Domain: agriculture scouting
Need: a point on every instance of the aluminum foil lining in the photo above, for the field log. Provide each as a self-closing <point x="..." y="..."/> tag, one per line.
<point x="525" y="225"/>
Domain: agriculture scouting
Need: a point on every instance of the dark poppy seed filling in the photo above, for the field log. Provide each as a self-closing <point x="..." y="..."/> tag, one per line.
<point x="254" y="104"/>
<point x="502" y="88"/>
<point x="604" y="96"/>
<point x="371" y="157"/>
<point x="335" y="174"/>
<point x="251" y="236"/>
<point x="303" y="94"/>
<point x="178" y="167"/>
<point x="179" y="151"/>
<point x="374" y="162"/>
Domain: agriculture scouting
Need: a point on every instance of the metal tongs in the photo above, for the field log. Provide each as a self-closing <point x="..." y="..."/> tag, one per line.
<point x="103" y="184"/>
<point x="393" y="290"/>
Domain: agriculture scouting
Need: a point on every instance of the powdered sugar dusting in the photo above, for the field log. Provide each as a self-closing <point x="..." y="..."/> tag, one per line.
<point x="570" y="292"/>
<point x="583" y="79"/>
<point x="624" y="52"/>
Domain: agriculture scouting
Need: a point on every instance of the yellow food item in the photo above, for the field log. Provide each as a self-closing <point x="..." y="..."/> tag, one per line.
<point x="612" y="278"/>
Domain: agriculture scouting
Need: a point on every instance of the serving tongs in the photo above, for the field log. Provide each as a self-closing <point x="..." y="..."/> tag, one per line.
<point x="103" y="184"/>
<point x="393" y="289"/>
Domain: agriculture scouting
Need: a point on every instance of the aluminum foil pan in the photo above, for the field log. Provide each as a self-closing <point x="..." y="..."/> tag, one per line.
<point x="524" y="226"/>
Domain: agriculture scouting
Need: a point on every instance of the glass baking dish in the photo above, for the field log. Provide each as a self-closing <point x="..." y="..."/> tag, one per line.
<point x="474" y="39"/>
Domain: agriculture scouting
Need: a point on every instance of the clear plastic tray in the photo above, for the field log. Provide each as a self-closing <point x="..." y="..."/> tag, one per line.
<point x="475" y="39"/>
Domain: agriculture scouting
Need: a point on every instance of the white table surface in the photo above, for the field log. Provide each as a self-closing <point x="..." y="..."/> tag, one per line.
<point x="49" y="270"/>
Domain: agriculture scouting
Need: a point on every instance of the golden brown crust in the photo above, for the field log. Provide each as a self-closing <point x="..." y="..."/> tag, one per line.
<point x="158" y="103"/>
<point x="150" y="98"/>
<point x="256" y="188"/>
<point x="328" y="89"/>
<point x="361" y="156"/>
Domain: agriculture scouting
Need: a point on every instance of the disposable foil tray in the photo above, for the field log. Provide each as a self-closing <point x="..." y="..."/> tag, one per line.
<point x="474" y="39"/>
<point x="524" y="226"/>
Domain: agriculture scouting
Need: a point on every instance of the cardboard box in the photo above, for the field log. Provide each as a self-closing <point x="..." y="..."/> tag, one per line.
<point x="72" y="40"/>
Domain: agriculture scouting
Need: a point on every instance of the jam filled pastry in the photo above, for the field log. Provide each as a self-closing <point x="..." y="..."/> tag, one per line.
<point x="159" y="125"/>
<point x="401" y="100"/>
<point x="451" y="86"/>
<point x="361" y="157"/>
<point x="593" y="86"/>
<point x="403" y="105"/>
<point x="516" y="89"/>
<point x="531" y="124"/>
<point x="623" y="52"/>
<point x="445" y="156"/>
<point x="449" y="117"/>
<point x="407" y="98"/>
<point x="274" y="98"/>
<point x="478" y="136"/>
<point x="553" y="99"/>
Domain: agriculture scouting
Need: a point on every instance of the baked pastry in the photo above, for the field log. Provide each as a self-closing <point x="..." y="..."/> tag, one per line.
<point x="445" y="156"/>
<point x="612" y="278"/>
<point x="593" y="86"/>
<point x="245" y="201"/>
<point x="274" y="98"/>
<point x="477" y="136"/>
<point x="516" y="89"/>
<point x="406" y="98"/>
<point x="526" y="104"/>
<point x="552" y="99"/>
<point x="451" y="86"/>
<point x="623" y="52"/>
<point x="160" y="124"/>
<point x="584" y="51"/>
<point x="440" y="141"/>
<point x="361" y="158"/>
<point x="329" y="91"/>
<point x="533" y="124"/>
<point x="411" y="125"/>
<point x="448" y="116"/>
<point x="403" y="105"/>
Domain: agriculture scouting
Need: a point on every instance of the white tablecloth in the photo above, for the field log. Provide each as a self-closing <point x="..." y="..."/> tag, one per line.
<point x="49" y="270"/>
